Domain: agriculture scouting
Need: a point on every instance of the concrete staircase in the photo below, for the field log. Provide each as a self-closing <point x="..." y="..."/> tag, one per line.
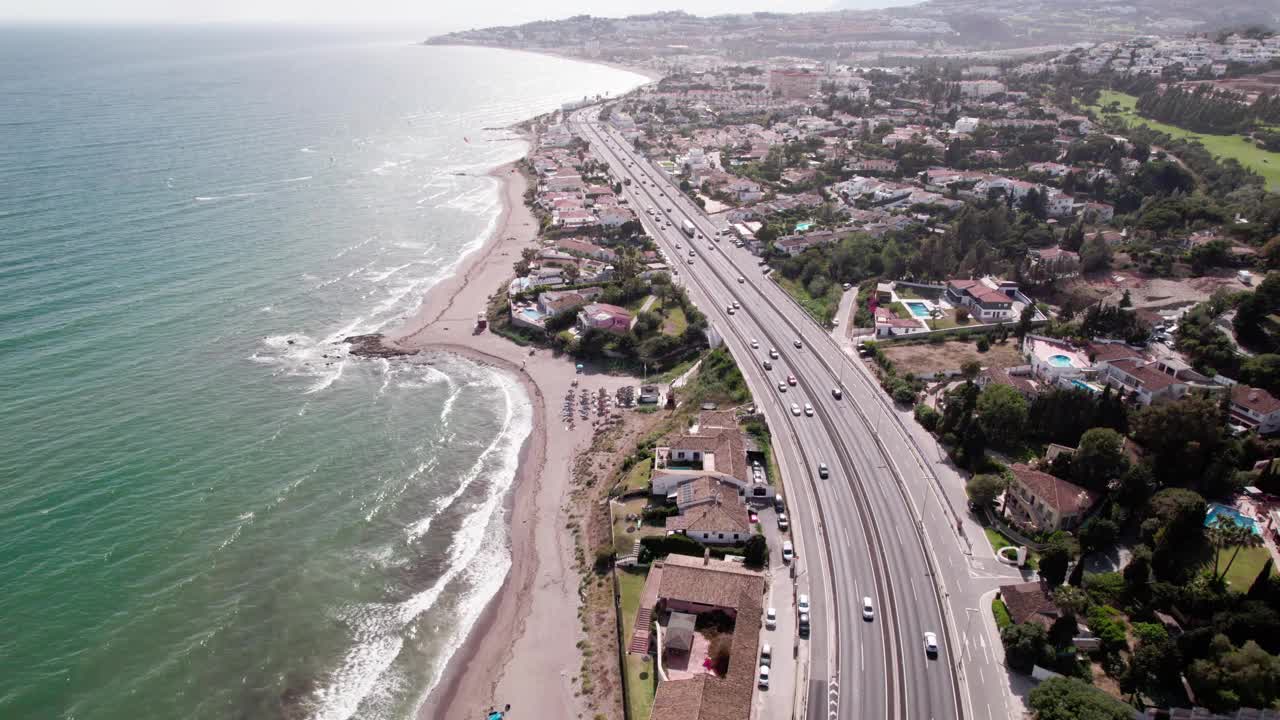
<point x="641" y="636"/>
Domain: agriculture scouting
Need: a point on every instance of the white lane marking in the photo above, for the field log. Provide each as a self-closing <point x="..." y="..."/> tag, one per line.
<point x="862" y="655"/>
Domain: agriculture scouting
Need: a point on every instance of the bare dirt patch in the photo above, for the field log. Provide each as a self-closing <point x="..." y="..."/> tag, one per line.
<point x="925" y="359"/>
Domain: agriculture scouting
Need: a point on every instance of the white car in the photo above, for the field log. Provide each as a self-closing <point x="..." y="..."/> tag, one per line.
<point x="741" y="280"/>
<point x="771" y="618"/>
<point x="736" y="305"/>
<point x="766" y="655"/>
<point x="773" y="353"/>
<point x="788" y="552"/>
<point x="797" y="344"/>
<point x="755" y="344"/>
<point x="868" y="613"/>
<point x="802" y="603"/>
<point x="808" y="410"/>
<point x="795" y="409"/>
<point x="782" y="387"/>
<point x="931" y="645"/>
<point x="763" y="682"/>
<point x="783" y="524"/>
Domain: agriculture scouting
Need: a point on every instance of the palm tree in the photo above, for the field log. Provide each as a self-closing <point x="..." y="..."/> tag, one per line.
<point x="1225" y="533"/>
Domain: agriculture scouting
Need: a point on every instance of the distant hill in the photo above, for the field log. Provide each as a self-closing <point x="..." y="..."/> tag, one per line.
<point x="857" y="30"/>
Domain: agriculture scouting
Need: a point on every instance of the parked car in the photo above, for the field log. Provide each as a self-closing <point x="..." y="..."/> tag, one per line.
<point x="788" y="552"/>
<point x="783" y="524"/>
<point x="771" y="618"/>
<point x="763" y="681"/>
<point x="766" y="655"/>
<point x="779" y="503"/>
<point x="931" y="645"/>
<point x="804" y="624"/>
<point x="802" y="603"/>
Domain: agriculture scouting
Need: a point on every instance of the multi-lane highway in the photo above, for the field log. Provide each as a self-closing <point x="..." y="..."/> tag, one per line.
<point x="864" y="537"/>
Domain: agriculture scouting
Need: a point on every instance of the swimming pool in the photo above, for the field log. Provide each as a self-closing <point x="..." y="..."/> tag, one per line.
<point x="1084" y="385"/>
<point x="1217" y="510"/>
<point x="802" y="226"/>
<point x="918" y="309"/>
<point x="1059" y="361"/>
<point x="531" y="314"/>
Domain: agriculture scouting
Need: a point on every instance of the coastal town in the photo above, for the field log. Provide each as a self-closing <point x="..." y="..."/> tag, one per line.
<point x="1068" y="308"/>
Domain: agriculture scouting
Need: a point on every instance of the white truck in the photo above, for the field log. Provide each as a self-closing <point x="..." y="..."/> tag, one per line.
<point x="687" y="227"/>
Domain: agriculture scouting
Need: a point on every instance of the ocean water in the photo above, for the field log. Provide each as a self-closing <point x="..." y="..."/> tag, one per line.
<point x="207" y="509"/>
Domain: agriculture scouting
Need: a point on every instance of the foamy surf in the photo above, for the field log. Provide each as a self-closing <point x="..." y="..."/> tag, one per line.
<point x="378" y="630"/>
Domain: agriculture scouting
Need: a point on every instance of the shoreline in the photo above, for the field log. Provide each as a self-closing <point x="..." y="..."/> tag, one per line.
<point x="505" y="658"/>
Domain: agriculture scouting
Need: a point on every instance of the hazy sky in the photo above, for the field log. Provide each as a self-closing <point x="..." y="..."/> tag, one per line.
<point x="431" y="14"/>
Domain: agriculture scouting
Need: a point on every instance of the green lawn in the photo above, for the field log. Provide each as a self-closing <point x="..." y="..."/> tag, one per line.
<point x="901" y="311"/>
<point x="641" y="680"/>
<point x="1266" y="164"/>
<point x="638" y="477"/>
<point x="1246" y="567"/>
<point x="675" y="321"/>
<point x="623" y="541"/>
<point x="946" y="321"/>
<point x="998" y="540"/>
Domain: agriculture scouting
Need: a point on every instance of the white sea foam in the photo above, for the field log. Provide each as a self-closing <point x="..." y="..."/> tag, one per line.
<point x="479" y="561"/>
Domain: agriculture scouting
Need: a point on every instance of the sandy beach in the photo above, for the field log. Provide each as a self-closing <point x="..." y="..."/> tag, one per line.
<point x="507" y="658"/>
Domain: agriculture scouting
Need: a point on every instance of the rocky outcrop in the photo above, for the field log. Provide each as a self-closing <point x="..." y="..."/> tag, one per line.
<point x="374" y="346"/>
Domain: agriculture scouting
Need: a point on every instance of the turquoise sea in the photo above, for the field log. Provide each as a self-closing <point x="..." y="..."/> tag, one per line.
<point x="207" y="509"/>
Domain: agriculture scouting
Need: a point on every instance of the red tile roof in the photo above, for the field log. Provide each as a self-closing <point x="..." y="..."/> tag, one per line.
<point x="1067" y="498"/>
<point x="1255" y="399"/>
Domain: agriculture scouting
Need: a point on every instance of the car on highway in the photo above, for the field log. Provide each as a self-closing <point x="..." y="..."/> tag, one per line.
<point x="931" y="645"/>
<point x="847" y="286"/>
<point x="741" y="280"/>
<point x="782" y="387"/>
<point x="868" y="612"/>
<point x="788" y="552"/>
<point x="763" y="680"/>
<point x="768" y="365"/>
<point x="795" y="409"/>
<point x="691" y="253"/>
<point x="771" y="618"/>
<point x="690" y="261"/>
<point x="802" y="603"/>
<point x="837" y="393"/>
<point x="773" y="353"/>
<point x="823" y="471"/>
<point x="736" y="305"/>
<point x="798" y="344"/>
<point x="783" y="524"/>
<point x="791" y="380"/>
<point x="730" y="310"/>
<point x="755" y="344"/>
<point x="808" y="410"/>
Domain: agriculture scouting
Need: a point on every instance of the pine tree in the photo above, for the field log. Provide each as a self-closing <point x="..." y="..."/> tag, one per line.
<point x="1258" y="590"/>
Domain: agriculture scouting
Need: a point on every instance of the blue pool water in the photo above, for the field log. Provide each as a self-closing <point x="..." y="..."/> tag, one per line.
<point x="1083" y="385"/>
<point x="918" y="309"/>
<point x="801" y="227"/>
<point x="1217" y="510"/>
<point x="1059" y="361"/>
<point x="531" y="314"/>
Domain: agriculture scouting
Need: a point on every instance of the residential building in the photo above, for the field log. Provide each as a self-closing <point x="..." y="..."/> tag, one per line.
<point x="711" y="512"/>
<point x="1154" y="381"/>
<point x="1044" y="502"/>
<point x="714" y="448"/>
<point x="609" y="318"/>
<point x="985" y="303"/>
<point x="683" y="585"/>
<point x="1030" y="602"/>
<point x="1255" y="409"/>
<point x="793" y="84"/>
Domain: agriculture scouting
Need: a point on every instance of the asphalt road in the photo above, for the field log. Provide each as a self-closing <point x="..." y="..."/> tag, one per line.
<point x="869" y="530"/>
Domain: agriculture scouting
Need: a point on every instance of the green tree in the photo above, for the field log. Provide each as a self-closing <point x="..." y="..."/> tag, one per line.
<point x="1069" y="698"/>
<point x="1095" y="254"/>
<point x="1180" y="436"/>
<point x="1262" y="583"/>
<point x="1071" y="600"/>
<point x="1055" y="558"/>
<point x="1098" y="458"/>
<point x="1002" y="413"/>
<point x="1099" y="534"/>
<point x="1225" y="534"/>
<point x="756" y="552"/>
<point x="984" y="489"/>
<point x="1230" y="678"/>
<point x="1137" y="574"/>
<point x="1026" y="645"/>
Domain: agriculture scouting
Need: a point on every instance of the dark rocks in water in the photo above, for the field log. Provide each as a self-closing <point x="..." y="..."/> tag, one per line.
<point x="291" y="342"/>
<point x="373" y="346"/>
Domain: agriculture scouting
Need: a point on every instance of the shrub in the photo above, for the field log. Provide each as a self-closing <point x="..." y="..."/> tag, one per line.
<point x="902" y="393"/>
<point x="984" y="344"/>
<point x="1001" y="613"/>
<point x="927" y="417"/>
<point x="663" y="545"/>
<point x="756" y="552"/>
